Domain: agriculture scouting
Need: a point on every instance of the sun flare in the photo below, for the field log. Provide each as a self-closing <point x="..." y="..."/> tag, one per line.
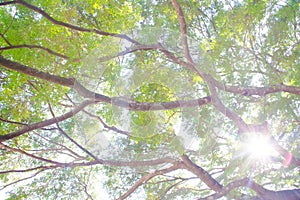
<point x="258" y="146"/>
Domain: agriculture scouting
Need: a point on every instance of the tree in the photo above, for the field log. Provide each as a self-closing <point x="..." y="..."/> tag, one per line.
<point x="150" y="99"/>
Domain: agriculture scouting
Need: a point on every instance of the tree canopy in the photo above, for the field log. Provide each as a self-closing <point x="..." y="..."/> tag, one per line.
<point x="150" y="99"/>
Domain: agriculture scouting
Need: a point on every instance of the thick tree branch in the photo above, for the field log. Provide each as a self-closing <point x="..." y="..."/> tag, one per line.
<point x="137" y="163"/>
<point x="201" y="173"/>
<point x="289" y="157"/>
<point x="264" y="130"/>
<point x="183" y="32"/>
<point x="217" y="103"/>
<point x="260" y="190"/>
<point x="7" y="3"/>
<point x="72" y="83"/>
<point x="245" y="91"/>
<point x="120" y="102"/>
<point x="73" y="27"/>
<point x="36" y="73"/>
<point x="212" y="84"/>
<point x="119" y="163"/>
<point x="145" y="106"/>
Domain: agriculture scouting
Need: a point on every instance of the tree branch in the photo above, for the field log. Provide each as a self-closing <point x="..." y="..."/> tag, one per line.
<point x="135" y="48"/>
<point x="5" y="39"/>
<point x="23" y="179"/>
<point x="217" y="103"/>
<point x="34" y="126"/>
<point x="60" y="145"/>
<point x="28" y="154"/>
<point x="12" y="122"/>
<point x="117" y="101"/>
<point x="138" y="163"/>
<point x="7" y="3"/>
<point x="293" y="194"/>
<point x="73" y="27"/>
<point x="70" y="138"/>
<point x="26" y="170"/>
<point x="72" y="83"/>
<point x="147" y="177"/>
<point x="289" y="157"/>
<point x="201" y="173"/>
<point x="34" y="47"/>
<point x="36" y="73"/>
<point x="112" y="128"/>
<point x="183" y="32"/>
<point x="257" y="91"/>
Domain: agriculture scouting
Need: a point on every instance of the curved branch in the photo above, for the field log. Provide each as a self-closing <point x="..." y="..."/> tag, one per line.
<point x="131" y="50"/>
<point x="5" y="39"/>
<point x="23" y="179"/>
<point x="34" y="47"/>
<point x="293" y="194"/>
<point x="26" y="170"/>
<point x="34" y="126"/>
<point x="217" y="103"/>
<point x="245" y="91"/>
<point x="289" y="157"/>
<point x="7" y="3"/>
<point x="70" y="138"/>
<point x="226" y="189"/>
<point x="28" y="154"/>
<point x="201" y="173"/>
<point x="183" y="32"/>
<point x="36" y="73"/>
<point x="73" y="27"/>
<point x="72" y="83"/>
<point x="209" y="19"/>
<point x="147" y="177"/>
<point x="120" y="102"/>
<point x="257" y="91"/>
<point x="118" y="163"/>
<point x="112" y="128"/>
<point x="12" y="122"/>
<point x="60" y="145"/>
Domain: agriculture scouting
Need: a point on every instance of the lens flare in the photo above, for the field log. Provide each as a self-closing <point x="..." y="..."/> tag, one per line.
<point x="257" y="146"/>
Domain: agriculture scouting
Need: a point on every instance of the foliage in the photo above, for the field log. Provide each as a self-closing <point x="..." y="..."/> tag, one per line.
<point x="149" y="99"/>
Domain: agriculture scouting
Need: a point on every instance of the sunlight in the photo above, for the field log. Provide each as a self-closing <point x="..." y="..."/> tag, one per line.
<point x="257" y="146"/>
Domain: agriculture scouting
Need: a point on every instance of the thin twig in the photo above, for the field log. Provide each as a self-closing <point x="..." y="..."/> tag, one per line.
<point x="70" y="138"/>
